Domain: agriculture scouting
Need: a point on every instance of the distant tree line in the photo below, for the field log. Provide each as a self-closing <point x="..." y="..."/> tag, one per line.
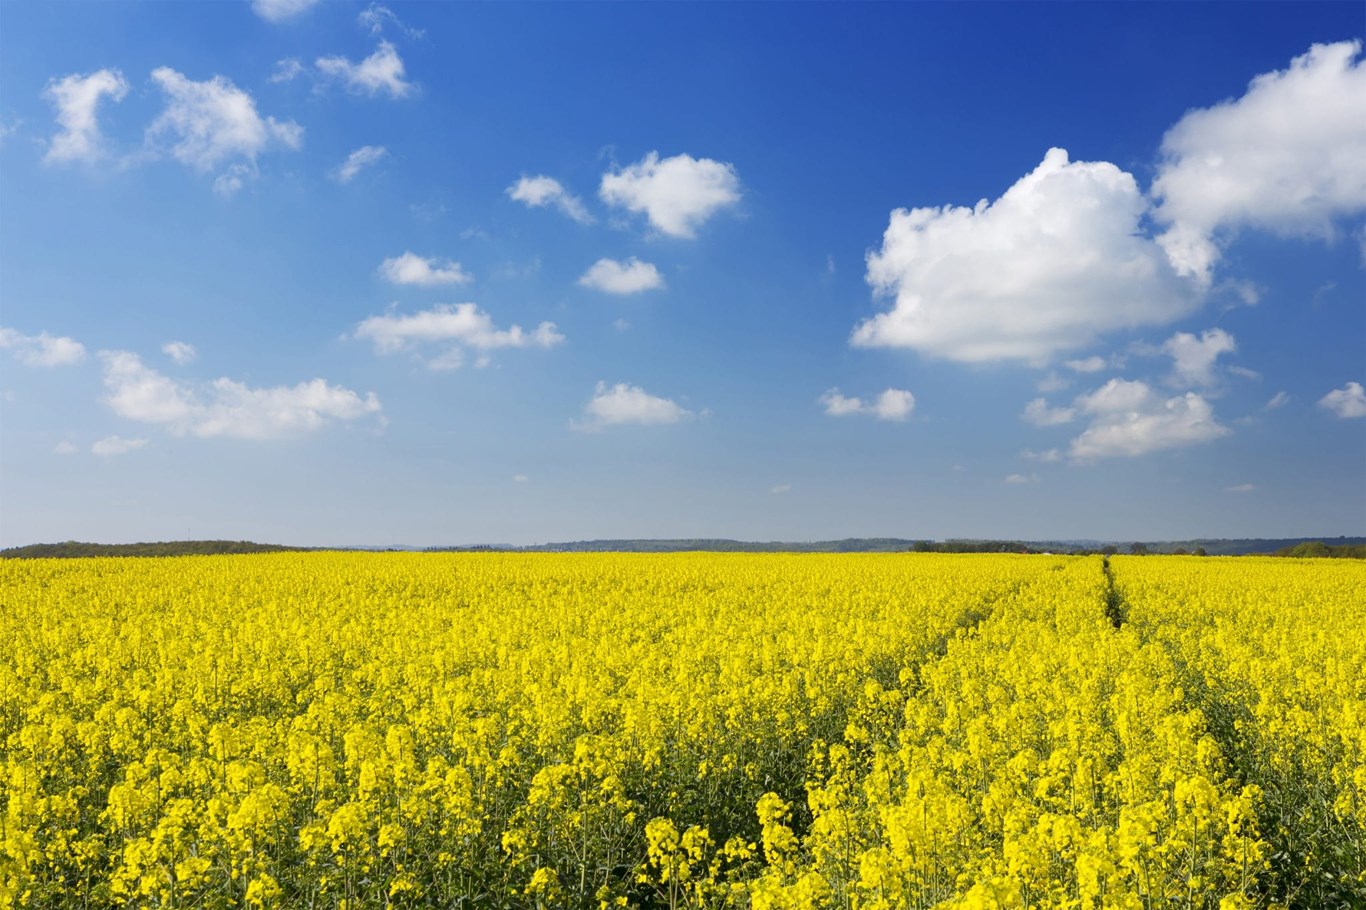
<point x="71" y="549"/>
<point x="1317" y="548"/>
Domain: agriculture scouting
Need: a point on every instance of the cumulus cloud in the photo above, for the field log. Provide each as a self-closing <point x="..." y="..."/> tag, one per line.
<point x="1021" y="478"/>
<point x="1040" y="414"/>
<point x="454" y="329"/>
<point x="780" y="489"/>
<point x="1279" y="400"/>
<point x="411" y="268"/>
<point x="1346" y="402"/>
<point x="362" y="157"/>
<point x="42" y="350"/>
<point x="206" y="124"/>
<point x="1193" y="358"/>
<point x="179" y="351"/>
<point x="1129" y="419"/>
<point x="622" y="404"/>
<point x="224" y="407"/>
<point x="65" y="448"/>
<point x="676" y="194"/>
<point x="1056" y="261"/>
<point x="892" y="404"/>
<point x="541" y="191"/>
<point x="1289" y="156"/>
<point x="116" y="445"/>
<point x="281" y="10"/>
<point x="77" y="99"/>
<point x="379" y="74"/>
<point x="629" y="277"/>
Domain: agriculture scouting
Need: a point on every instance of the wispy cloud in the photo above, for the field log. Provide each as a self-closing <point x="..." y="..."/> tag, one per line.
<point x="179" y="351"/>
<point x="361" y="158"/>
<point x="541" y="191"/>
<point x="281" y="10"/>
<point x="116" y="445"/>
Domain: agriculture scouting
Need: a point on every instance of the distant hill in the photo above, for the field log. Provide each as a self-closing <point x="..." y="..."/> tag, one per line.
<point x="1331" y="546"/>
<point x="72" y="548"/>
<point x="1212" y="547"/>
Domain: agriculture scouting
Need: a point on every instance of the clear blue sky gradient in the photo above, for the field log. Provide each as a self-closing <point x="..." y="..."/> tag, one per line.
<point x="831" y="116"/>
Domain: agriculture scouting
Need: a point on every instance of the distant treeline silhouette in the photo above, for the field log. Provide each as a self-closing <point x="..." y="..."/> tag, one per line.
<point x="72" y="548"/>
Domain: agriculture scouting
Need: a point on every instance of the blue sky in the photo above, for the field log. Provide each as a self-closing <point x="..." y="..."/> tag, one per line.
<point x="421" y="274"/>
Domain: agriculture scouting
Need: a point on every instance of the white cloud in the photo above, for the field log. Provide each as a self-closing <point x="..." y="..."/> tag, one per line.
<point x="42" y="350"/>
<point x="280" y="10"/>
<point x="520" y="478"/>
<point x="1047" y="456"/>
<point x="677" y="194"/>
<point x="362" y="157"/>
<point x="629" y="277"/>
<point x="116" y="445"/>
<point x="225" y="407"/>
<point x="65" y="448"/>
<point x="206" y="124"/>
<point x="780" y="489"/>
<point x="456" y="328"/>
<point x="1040" y="414"/>
<point x="411" y="268"/>
<point x="1193" y="358"/>
<point x="1056" y="261"/>
<point x="1130" y="419"/>
<point x="1093" y="364"/>
<point x="627" y="404"/>
<point x="1346" y="402"/>
<point x="380" y="73"/>
<point x="892" y="404"/>
<point x="1021" y="478"/>
<point x="1279" y="400"/>
<point x="77" y="100"/>
<point x="541" y="191"/>
<point x="287" y="70"/>
<point x="179" y="351"/>
<point x="1289" y="156"/>
<point x="1241" y="488"/>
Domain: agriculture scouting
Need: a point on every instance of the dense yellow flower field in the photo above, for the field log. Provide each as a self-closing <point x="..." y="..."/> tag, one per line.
<point x="695" y="730"/>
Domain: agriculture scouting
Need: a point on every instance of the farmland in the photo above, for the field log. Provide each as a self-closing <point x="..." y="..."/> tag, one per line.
<point x="687" y="730"/>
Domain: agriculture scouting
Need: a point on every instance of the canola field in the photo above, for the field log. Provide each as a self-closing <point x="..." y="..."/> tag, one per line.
<point x="342" y="730"/>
